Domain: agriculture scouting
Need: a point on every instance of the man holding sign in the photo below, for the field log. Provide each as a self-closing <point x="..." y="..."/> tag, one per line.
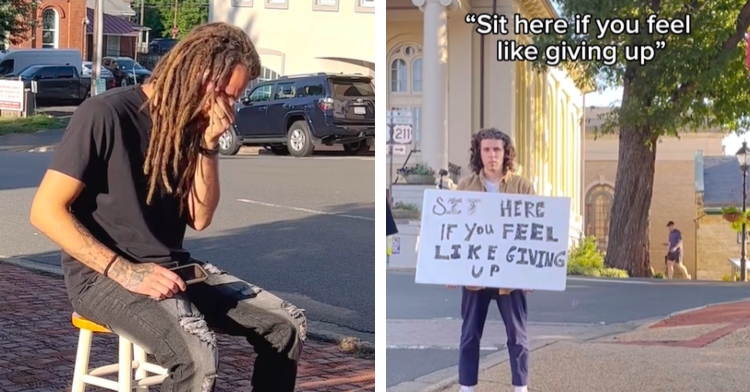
<point x="492" y="163"/>
<point x="493" y="232"/>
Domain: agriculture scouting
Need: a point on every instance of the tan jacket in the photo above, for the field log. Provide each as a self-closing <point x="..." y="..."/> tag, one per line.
<point x="511" y="183"/>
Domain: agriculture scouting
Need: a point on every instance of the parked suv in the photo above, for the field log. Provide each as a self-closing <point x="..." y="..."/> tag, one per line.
<point x="291" y="115"/>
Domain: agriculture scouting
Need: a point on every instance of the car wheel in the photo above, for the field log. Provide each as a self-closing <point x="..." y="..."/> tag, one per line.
<point x="229" y="143"/>
<point x="357" y="148"/>
<point x="299" y="141"/>
<point x="124" y="82"/>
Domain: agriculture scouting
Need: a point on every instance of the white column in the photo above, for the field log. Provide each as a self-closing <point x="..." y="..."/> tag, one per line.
<point x="500" y="76"/>
<point x="461" y="100"/>
<point x="434" y="144"/>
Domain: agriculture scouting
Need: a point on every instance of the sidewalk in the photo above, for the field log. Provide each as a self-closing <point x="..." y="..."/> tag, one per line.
<point x="38" y="345"/>
<point x="704" y="350"/>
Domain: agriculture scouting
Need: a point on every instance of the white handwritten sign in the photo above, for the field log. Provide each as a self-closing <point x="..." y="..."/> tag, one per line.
<point x="493" y="240"/>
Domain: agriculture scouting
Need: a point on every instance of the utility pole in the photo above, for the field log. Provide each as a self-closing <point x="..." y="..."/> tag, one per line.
<point x="98" y="38"/>
<point x="175" y="31"/>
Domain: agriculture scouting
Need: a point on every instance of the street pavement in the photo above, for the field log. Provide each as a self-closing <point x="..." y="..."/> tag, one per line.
<point x="423" y="325"/>
<point x="302" y="228"/>
<point x="38" y="346"/>
<point x="700" y="350"/>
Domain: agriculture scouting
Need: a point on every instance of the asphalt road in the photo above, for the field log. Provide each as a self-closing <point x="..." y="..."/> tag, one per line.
<point x="302" y="228"/>
<point x="585" y="302"/>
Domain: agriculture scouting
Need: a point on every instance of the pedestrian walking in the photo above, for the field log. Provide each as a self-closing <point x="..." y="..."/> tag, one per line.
<point x="674" y="252"/>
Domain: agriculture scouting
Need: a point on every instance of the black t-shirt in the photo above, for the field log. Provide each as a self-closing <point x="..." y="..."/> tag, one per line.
<point x="104" y="147"/>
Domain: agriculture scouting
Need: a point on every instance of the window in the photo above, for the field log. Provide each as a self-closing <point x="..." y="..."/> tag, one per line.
<point x="277" y="4"/>
<point x="6" y="67"/>
<point x="405" y="85"/>
<point x="285" y="91"/>
<point x="64" y="73"/>
<point x="242" y="3"/>
<point x="311" y="89"/>
<point x="352" y="88"/>
<point x="365" y="6"/>
<point x="46" y="73"/>
<point x="113" y="45"/>
<point x="266" y="74"/>
<point x="261" y="94"/>
<point x="406" y="64"/>
<point x="326" y="5"/>
<point x="50" y="23"/>
<point x="598" y="210"/>
<point x="416" y="75"/>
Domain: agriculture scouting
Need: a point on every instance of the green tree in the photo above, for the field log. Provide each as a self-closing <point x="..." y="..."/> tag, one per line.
<point x="15" y="21"/>
<point x="159" y="15"/>
<point x="698" y="79"/>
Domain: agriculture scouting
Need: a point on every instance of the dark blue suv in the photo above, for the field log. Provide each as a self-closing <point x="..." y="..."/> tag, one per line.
<point x="293" y="114"/>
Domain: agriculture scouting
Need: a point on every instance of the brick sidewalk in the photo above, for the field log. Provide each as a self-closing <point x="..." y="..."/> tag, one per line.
<point x="38" y="346"/>
<point x="727" y="318"/>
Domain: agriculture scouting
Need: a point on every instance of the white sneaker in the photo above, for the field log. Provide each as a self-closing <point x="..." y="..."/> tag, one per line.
<point x="466" y="389"/>
<point x="521" y="389"/>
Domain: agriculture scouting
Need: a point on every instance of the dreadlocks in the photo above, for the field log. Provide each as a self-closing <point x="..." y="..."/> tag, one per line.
<point x="209" y="53"/>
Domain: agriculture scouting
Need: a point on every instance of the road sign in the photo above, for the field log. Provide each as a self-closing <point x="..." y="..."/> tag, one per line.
<point x="400" y="117"/>
<point x="398" y="149"/>
<point x="402" y="133"/>
<point x="99" y="86"/>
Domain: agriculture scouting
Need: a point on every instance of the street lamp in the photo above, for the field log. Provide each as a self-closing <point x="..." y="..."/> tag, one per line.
<point x="743" y="157"/>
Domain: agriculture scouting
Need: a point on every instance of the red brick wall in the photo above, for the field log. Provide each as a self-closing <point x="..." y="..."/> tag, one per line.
<point x="70" y="27"/>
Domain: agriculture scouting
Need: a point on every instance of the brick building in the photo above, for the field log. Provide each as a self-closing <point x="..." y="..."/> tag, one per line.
<point x="68" y="24"/>
<point x="674" y="195"/>
<point x="59" y="24"/>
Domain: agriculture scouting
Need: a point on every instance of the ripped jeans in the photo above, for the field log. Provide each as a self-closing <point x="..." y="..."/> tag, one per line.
<point x="179" y="331"/>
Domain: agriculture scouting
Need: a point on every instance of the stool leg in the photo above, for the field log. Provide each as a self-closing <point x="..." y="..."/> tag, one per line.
<point x="140" y="373"/>
<point x="82" y="360"/>
<point x="125" y="373"/>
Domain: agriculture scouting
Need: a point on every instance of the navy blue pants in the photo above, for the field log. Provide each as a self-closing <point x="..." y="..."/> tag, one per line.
<point x="474" y="307"/>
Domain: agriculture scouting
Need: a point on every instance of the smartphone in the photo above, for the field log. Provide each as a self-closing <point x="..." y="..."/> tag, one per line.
<point x="191" y="273"/>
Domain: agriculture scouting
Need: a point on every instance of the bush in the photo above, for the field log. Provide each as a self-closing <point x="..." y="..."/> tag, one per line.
<point x="730" y="278"/>
<point x="587" y="260"/>
<point x="658" y="275"/>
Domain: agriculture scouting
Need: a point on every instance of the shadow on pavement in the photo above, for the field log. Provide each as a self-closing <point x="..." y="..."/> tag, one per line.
<point x="302" y="260"/>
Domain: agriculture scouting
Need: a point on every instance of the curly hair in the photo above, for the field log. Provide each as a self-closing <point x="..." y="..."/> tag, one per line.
<point x="509" y="157"/>
<point x="210" y="52"/>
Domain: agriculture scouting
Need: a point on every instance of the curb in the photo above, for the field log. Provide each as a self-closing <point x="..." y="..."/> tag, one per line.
<point x="444" y="381"/>
<point x="348" y="344"/>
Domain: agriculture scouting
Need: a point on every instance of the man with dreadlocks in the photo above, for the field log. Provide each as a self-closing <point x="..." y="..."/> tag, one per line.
<point x="492" y="163"/>
<point x="136" y="166"/>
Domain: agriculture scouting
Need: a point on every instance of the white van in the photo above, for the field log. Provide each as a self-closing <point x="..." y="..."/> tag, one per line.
<point x="14" y="61"/>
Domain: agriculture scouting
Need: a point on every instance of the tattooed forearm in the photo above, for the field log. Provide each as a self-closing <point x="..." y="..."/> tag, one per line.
<point x="129" y="275"/>
<point x="88" y="250"/>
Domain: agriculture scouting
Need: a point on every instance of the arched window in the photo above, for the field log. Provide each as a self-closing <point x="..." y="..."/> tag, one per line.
<point x="266" y="74"/>
<point x="598" y="211"/>
<point x="406" y="82"/>
<point x="50" y="28"/>
<point x="406" y="70"/>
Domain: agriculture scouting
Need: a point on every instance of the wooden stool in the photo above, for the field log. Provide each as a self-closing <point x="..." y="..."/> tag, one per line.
<point x="124" y="369"/>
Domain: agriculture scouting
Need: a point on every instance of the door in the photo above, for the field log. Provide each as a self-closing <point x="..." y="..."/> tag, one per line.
<point x="250" y="119"/>
<point x="353" y="101"/>
<point x="68" y="83"/>
<point x="46" y="84"/>
<point x="282" y="103"/>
